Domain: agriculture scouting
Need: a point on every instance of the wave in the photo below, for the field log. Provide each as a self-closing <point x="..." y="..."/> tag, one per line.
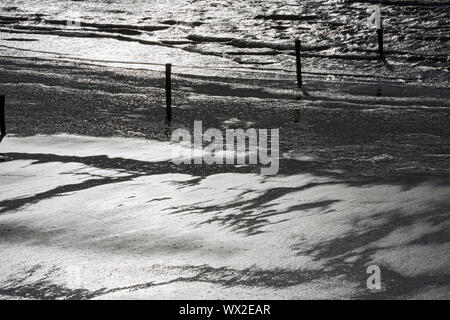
<point x="38" y="18"/>
<point x="405" y="2"/>
<point x="79" y="34"/>
<point x="255" y="44"/>
<point x="112" y="25"/>
<point x="288" y="17"/>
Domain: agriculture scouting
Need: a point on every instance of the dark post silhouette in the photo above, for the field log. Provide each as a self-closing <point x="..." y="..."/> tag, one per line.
<point x="2" y="118"/>
<point x="297" y="115"/>
<point x="380" y="39"/>
<point x="299" y="63"/>
<point x="168" y="93"/>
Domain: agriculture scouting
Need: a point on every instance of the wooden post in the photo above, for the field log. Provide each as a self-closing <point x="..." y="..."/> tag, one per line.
<point x="299" y="63"/>
<point x="375" y="20"/>
<point x="168" y="93"/>
<point x="2" y="118"/>
<point x="380" y="37"/>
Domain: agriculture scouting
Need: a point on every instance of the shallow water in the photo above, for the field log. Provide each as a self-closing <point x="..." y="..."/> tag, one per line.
<point x="257" y="34"/>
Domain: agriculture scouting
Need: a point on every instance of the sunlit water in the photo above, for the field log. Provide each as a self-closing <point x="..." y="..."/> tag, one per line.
<point x="249" y="33"/>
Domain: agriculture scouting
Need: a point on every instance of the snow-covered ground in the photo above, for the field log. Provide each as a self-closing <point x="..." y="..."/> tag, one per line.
<point x="84" y="217"/>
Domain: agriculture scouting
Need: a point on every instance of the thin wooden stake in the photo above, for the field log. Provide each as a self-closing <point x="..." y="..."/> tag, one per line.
<point x="380" y="39"/>
<point x="299" y="63"/>
<point x="168" y="93"/>
<point x="2" y="118"/>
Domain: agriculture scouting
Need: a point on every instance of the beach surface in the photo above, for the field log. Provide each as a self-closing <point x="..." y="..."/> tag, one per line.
<point x="124" y="223"/>
<point x="91" y="207"/>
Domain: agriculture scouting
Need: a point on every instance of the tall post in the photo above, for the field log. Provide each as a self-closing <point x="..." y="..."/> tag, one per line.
<point x="2" y="118"/>
<point x="299" y="63"/>
<point x="380" y="38"/>
<point x="168" y="93"/>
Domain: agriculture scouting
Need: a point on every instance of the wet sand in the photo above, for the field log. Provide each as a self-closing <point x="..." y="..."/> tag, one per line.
<point x="371" y="127"/>
<point x="364" y="179"/>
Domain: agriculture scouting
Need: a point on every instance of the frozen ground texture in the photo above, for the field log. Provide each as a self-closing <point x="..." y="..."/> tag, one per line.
<point x="77" y="222"/>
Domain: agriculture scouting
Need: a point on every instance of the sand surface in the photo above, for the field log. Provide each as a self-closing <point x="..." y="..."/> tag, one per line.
<point x="371" y="127"/>
<point x="77" y="222"/>
<point x="92" y="208"/>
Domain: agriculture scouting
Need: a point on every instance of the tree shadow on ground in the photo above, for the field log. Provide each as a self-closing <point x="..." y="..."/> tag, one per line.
<point x="361" y="246"/>
<point x="134" y="168"/>
<point x="29" y="286"/>
<point x="21" y="286"/>
<point x="254" y="215"/>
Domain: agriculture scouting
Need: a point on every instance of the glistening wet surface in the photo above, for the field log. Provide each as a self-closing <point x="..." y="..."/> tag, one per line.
<point x="261" y="34"/>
